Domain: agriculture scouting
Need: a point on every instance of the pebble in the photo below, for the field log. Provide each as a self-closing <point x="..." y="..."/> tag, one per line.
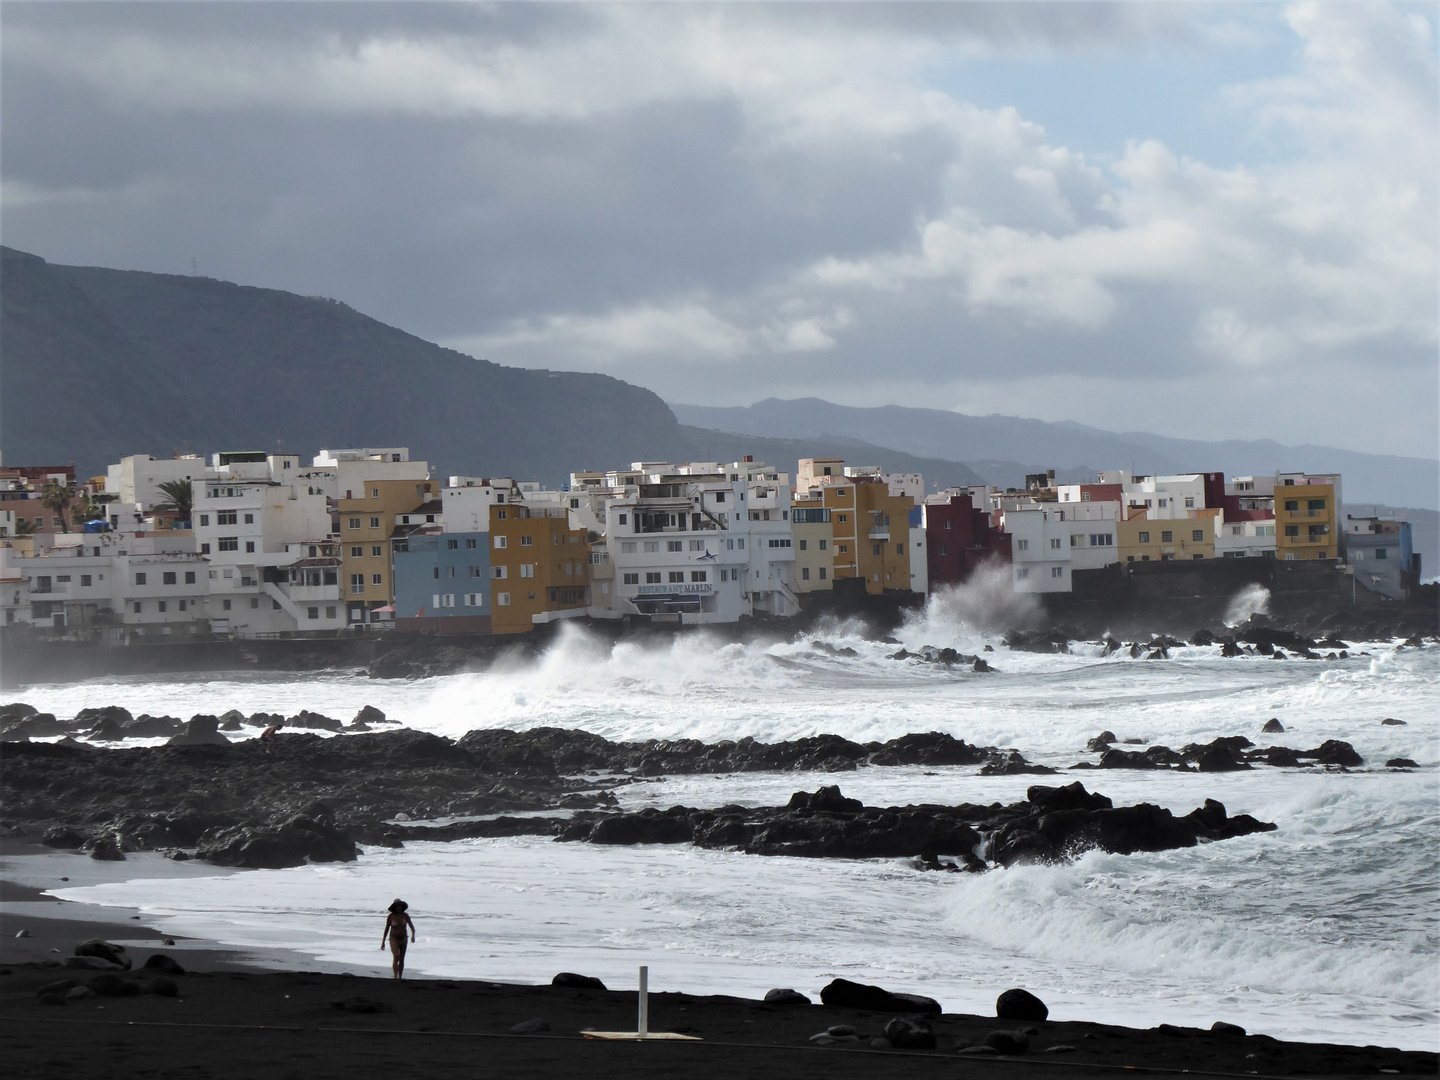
<point x="22" y="933"/>
<point x="1060" y="1048"/>
<point x="977" y="1050"/>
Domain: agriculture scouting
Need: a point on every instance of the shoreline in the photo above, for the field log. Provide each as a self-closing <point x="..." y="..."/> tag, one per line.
<point x="239" y="1015"/>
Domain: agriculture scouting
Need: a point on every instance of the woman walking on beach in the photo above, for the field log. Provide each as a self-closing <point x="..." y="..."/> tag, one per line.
<point x="395" y="924"/>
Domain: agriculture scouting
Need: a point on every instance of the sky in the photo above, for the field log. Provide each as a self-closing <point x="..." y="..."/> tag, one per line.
<point x="1209" y="220"/>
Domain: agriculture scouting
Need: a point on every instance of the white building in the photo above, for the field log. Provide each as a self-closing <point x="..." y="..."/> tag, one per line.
<point x="1165" y="497"/>
<point x="693" y="543"/>
<point x="136" y="479"/>
<point x="1040" y="546"/>
<point x="338" y="474"/>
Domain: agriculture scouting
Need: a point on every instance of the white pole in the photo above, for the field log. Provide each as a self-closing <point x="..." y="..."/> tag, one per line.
<point x="644" y="1023"/>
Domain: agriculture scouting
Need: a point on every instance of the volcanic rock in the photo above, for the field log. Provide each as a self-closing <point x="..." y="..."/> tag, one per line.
<point x="1020" y="1004"/>
<point x="577" y="982"/>
<point x="200" y="730"/>
<point x="842" y="993"/>
<point x="785" y="997"/>
<point x="1273" y="726"/>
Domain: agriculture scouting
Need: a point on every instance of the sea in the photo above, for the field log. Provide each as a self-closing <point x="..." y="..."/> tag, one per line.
<point x="1327" y="929"/>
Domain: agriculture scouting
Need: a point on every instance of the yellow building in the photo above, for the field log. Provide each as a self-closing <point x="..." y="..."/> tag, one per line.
<point x="366" y="524"/>
<point x="1139" y="538"/>
<point x="1306" y="509"/>
<point x="882" y="534"/>
<point x="814" y="554"/>
<point x="538" y="563"/>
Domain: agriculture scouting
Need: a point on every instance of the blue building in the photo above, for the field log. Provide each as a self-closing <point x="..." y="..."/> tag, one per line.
<point x="442" y="582"/>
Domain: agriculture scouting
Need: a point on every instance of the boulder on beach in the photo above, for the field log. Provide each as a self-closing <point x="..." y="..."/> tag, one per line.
<point x="200" y="730"/>
<point x="785" y="997"/>
<point x="296" y="842"/>
<point x="906" y="1034"/>
<point x="105" y="849"/>
<point x="1018" y="1004"/>
<point x="62" y="836"/>
<point x="105" y="950"/>
<point x="1008" y="1042"/>
<point x="577" y="982"/>
<point x="842" y="993"/>
<point x="166" y="965"/>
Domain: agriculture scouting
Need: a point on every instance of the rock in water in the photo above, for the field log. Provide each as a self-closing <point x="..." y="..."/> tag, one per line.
<point x="1273" y="727"/>
<point x="1020" y="1004"/>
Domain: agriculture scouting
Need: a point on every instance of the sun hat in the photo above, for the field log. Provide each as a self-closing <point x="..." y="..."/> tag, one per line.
<point x="398" y="905"/>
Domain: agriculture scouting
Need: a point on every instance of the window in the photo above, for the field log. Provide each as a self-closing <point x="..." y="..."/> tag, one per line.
<point x="740" y="543"/>
<point x="312" y="613"/>
<point x="502" y="541"/>
<point x="844" y="549"/>
<point x="1189" y="502"/>
<point x="784" y="542"/>
<point x="802" y="545"/>
<point x="249" y="519"/>
<point x="502" y="599"/>
<point x="472" y="599"/>
<point x="448" y="600"/>
<point x="674" y="545"/>
<point x="204" y="519"/>
<point x="85" y="579"/>
<point x="499" y="573"/>
<point x="1022" y="545"/>
<point x="632" y="579"/>
<point x="1162" y="503"/>
<point x="1315" y="504"/>
<point x="822" y="573"/>
<point x="182" y="605"/>
<point x="527" y="569"/>
<point x="677" y="577"/>
<point x="874" y="549"/>
<point x="250" y="545"/>
<point x="622" y="519"/>
<point x="1237" y="530"/>
<point x="697" y="575"/>
<point x="162" y="605"/>
<point x="189" y="577"/>
<point x="1292" y="504"/>
<point x="375" y="550"/>
<point x="139" y="579"/>
<point x="652" y="545"/>
<point x="377" y="579"/>
<point x="899" y="549"/>
<point x="719" y="496"/>
<point x="354" y="523"/>
<point x="501" y="515"/>
<point x="204" y="549"/>
<point x="944" y="549"/>
<point x="357" y="552"/>
<point x="1292" y="530"/>
<point x="527" y="541"/>
<point x="254" y="604"/>
<point x="229" y="543"/>
<point x="840" y="517"/>
<point x="1102" y="540"/>
<point x="1167" y="537"/>
<point x="450" y="545"/>
<point x="226" y="517"/>
<point x="470" y="544"/>
<point x="374" y="522"/>
<point x="137" y="606"/>
<point x="168" y="577"/>
<point x="1077" y="540"/>
<point x="652" y="577"/>
<point x="224" y="605"/>
<point x="1144" y="538"/>
<point x="822" y="545"/>
<point x="1022" y="573"/>
<point x="1054" y="543"/>
<point x="330" y="611"/>
<point x="1197" y="535"/>
<point x="374" y="493"/>
<point x="1057" y="571"/>
<point x="697" y="545"/>
<point x="1382" y="553"/>
<point x="804" y="573"/>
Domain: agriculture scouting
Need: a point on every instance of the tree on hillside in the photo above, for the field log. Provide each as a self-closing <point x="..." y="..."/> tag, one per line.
<point x="56" y="498"/>
<point x="179" y="499"/>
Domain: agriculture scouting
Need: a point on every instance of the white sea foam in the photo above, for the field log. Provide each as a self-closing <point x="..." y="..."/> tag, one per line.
<point x="1327" y="928"/>
<point x="1253" y="599"/>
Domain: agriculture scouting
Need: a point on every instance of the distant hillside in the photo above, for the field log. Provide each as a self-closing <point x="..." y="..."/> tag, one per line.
<point x="1003" y="448"/>
<point x="103" y="363"/>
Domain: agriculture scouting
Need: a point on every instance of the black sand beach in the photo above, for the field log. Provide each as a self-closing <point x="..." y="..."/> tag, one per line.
<point x="233" y="1018"/>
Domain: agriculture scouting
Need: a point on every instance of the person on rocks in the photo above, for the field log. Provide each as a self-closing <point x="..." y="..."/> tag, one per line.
<point x="395" y="924"/>
<point x="268" y="736"/>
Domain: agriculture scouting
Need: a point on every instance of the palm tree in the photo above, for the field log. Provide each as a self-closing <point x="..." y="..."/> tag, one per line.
<point x="179" y="499"/>
<point x="56" y="498"/>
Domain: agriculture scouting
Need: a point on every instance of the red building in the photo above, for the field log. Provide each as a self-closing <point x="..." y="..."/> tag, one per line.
<point x="960" y="537"/>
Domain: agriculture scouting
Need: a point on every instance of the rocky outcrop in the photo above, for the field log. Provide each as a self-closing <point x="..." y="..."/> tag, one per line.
<point x="296" y="842"/>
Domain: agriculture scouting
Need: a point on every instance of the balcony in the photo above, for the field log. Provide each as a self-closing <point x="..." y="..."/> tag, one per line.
<point x="882" y="533"/>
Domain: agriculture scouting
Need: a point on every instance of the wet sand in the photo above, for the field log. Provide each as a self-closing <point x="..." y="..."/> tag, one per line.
<point x="234" y="1019"/>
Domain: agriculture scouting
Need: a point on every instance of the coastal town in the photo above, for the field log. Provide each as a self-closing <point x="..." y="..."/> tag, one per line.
<point x="251" y="544"/>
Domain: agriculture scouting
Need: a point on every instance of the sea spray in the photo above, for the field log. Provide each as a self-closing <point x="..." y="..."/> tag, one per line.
<point x="1253" y="599"/>
<point x="986" y="603"/>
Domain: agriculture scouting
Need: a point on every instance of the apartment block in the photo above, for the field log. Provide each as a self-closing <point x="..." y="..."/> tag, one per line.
<point x="539" y="566"/>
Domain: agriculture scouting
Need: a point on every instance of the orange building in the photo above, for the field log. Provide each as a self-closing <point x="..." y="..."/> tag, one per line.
<point x="366" y="525"/>
<point x="538" y="564"/>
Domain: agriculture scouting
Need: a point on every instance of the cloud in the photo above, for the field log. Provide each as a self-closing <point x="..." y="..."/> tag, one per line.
<point x="742" y="200"/>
